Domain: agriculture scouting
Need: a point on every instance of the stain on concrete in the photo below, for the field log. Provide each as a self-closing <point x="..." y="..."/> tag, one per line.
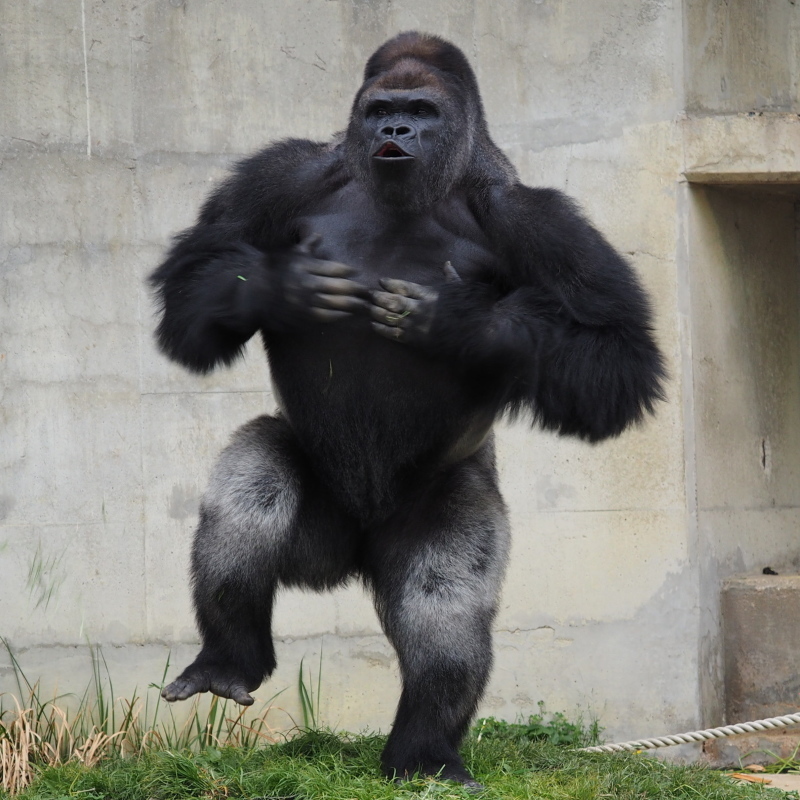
<point x="6" y="504"/>
<point x="552" y="493"/>
<point x="184" y="502"/>
<point x="376" y="659"/>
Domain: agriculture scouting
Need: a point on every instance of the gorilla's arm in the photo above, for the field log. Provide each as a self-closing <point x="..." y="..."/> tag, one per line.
<point x="576" y="327"/>
<point x="240" y="268"/>
<point x="566" y="329"/>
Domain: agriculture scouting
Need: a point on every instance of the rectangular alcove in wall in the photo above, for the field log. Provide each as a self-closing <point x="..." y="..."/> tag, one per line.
<point x="743" y="273"/>
<point x="745" y="309"/>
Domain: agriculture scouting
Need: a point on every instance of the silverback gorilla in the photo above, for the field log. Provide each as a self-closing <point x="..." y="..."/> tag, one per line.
<point x="409" y="290"/>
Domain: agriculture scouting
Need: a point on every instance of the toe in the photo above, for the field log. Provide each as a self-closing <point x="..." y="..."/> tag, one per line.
<point x="172" y="692"/>
<point x="241" y="696"/>
<point x="180" y="689"/>
<point x="233" y="690"/>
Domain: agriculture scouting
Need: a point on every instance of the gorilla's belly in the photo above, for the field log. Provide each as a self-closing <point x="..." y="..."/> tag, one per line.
<point x="374" y="417"/>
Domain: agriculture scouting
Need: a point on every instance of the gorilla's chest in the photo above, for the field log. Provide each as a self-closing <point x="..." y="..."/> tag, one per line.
<point x="415" y="248"/>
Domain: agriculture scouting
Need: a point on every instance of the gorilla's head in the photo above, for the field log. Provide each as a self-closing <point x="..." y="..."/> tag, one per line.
<point x="417" y="122"/>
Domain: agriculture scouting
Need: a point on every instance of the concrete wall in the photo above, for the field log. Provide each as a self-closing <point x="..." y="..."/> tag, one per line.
<point x="118" y="117"/>
<point x="742" y="56"/>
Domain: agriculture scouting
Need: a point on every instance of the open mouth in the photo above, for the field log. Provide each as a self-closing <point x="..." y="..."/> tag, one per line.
<point x="391" y="150"/>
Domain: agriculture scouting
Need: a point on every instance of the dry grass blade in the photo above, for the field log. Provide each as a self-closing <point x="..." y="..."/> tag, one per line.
<point x="747" y="778"/>
<point x="97" y="746"/>
<point x="18" y="744"/>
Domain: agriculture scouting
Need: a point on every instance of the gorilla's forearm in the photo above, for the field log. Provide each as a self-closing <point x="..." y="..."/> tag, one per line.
<point x="210" y="292"/>
<point x="590" y="382"/>
<point x="569" y="334"/>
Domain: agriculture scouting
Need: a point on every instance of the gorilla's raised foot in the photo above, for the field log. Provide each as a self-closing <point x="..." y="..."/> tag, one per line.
<point x="221" y="681"/>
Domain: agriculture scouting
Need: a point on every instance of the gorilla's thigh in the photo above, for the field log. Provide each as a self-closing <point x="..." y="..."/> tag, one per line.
<point x="438" y="569"/>
<point x="436" y="572"/>
<point x="265" y="518"/>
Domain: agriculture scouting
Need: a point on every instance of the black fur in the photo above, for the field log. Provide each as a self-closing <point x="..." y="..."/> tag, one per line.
<point x="409" y="290"/>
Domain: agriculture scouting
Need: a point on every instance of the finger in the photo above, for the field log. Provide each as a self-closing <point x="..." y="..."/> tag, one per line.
<point x="391" y="302"/>
<point x="328" y="269"/>
<point x="395" y="334"/>
<point x="316" y="283"/>
<point x="450" y="273"/>
<point x="309" y="243"/>
<point x="338" y="302"/>
<point x="327" y="315"/>
<point x="405" y="288"/>
<point x="385" y="317"/>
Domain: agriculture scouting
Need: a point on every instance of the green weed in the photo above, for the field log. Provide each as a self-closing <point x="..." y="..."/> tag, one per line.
<point x="556" y="729"/>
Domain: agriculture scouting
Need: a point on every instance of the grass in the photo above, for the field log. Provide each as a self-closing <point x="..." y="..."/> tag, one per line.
<point x="317" y="764"/>
<point x="107" y="748"/>
<point x="37" y="733"/>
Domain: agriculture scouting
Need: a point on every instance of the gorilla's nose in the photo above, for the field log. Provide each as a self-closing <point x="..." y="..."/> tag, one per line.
<point x="399" y="131"/>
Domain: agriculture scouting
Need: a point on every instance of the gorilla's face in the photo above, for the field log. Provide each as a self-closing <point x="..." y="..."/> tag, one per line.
<point x="404" y="125"/>
<point x="409" y="146"/>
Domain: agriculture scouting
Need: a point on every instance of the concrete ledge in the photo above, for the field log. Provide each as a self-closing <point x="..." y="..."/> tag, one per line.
<point x="761" y="623"/>
<point x="754" y="148"/>
<point x="757" y="748"/>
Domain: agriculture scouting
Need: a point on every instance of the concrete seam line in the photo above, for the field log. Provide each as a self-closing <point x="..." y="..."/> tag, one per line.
<point x="698" y="736"/>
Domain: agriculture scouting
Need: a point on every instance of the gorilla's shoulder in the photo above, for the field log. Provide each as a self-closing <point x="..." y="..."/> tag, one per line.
<point x="287" y="159"/>
<point x="281" y="175"/>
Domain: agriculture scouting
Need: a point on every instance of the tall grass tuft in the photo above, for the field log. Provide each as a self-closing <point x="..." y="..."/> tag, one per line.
<point x="309" y="698"/>
<point x="36" y="733"/>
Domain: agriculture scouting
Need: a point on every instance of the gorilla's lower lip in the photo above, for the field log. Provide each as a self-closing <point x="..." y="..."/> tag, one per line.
<point x="391" y="150"/>
<point x="398" y="159"/>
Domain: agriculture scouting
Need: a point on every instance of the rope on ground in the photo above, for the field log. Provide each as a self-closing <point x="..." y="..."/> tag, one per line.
<point x="698" y="736"/>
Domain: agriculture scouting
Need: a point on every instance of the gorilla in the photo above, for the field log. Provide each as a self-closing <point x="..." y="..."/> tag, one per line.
<point x="409" y="290"/>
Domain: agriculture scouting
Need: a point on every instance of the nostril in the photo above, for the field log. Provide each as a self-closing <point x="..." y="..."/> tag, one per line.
<point x="403" y="130"/>
<point x="387" y="130"/>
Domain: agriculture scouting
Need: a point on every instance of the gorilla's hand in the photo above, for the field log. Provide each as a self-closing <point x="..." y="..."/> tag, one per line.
<point x="405" y="311"/>
<point x="313" y="288"/>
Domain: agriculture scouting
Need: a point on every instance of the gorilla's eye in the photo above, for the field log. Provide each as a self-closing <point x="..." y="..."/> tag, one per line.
<point x="424" y="109"/>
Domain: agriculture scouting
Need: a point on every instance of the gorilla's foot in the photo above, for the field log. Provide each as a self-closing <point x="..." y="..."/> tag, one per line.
<point x="459" y="774"/>
<point x="455" y="772"/>
<point x="219" y="680"/>
<point x="472" y="786"/>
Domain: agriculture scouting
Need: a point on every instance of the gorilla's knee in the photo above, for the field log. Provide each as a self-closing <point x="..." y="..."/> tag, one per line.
<point x="250" y="507"/>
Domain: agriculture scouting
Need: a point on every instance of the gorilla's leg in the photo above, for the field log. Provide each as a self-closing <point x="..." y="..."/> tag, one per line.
<point x="436" y="574"/>
<point x="264" y="522"/>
